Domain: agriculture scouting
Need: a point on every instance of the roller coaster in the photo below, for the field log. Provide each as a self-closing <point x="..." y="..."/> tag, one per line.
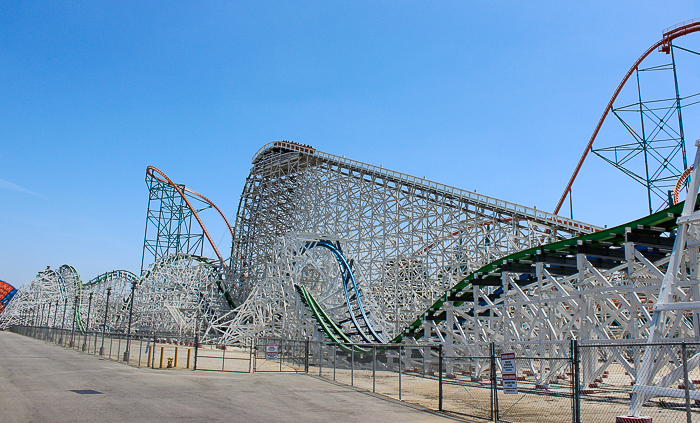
<point x="329" y="248"/>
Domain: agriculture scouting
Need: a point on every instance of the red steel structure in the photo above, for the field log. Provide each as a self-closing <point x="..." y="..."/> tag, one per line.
<point x="663" y="45"/>
<point x="171" y="208"/>
<point x="7" y="291"/>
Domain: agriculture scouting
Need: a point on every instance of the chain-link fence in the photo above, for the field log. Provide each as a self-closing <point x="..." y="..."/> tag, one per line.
<point x="545" y="381"/>
<point x="499" y="382"/>
<point x="279" y="355"/>
<point x="612" y="373"/>
<point x="137" y="349"/>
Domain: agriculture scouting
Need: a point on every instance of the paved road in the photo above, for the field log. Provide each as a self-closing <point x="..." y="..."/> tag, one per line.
<point x="36" y="379"/>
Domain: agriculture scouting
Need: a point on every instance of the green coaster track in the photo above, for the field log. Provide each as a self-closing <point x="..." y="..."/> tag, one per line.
<point x="489" y="275"/>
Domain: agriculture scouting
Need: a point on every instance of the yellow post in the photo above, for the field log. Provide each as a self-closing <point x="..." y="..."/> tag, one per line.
<point x="162" y="353"/>
<point x="149" y="350"/>
<point x="189" y="353"/>
<point x="175" y="357"/>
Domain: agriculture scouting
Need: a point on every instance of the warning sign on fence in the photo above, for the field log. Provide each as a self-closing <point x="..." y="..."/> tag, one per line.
<point x="508" y="371"/>
<point x="271" y="350"/>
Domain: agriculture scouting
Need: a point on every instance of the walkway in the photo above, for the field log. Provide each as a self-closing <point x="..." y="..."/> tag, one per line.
<point x="38" y="383"/>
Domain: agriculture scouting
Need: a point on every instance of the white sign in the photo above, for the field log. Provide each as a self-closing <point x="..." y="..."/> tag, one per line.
<point x="271" y="350"/>
<point x="510" y="384"/>
<point x="508" y="364"/>
<point x="509" y="371"/>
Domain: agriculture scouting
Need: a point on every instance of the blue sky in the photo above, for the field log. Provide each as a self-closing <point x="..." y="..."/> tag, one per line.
<point x="500" y="97"/>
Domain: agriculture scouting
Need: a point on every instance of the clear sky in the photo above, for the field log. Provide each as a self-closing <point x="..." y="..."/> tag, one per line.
<point x="500" y="97"/>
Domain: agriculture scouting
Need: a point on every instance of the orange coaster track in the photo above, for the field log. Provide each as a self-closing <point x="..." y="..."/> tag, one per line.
<point x="662" y="45"/>
<point x="158" y="175"/>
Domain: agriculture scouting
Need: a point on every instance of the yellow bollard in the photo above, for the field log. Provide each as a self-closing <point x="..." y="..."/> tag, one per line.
<point x="162" y="353"/>
<point x="175" y="364"/>
<point x="149" y="350"/>
<point x="189" y="354"/>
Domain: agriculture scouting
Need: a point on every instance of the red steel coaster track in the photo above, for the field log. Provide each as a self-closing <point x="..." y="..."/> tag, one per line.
<point x="664" y="45"/>
<point x="158" y="175"/>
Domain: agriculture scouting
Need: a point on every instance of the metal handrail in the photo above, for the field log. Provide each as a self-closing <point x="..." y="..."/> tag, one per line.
<point x="678" y="25"/>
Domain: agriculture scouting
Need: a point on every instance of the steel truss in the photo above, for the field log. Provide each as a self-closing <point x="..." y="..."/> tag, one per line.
<point x="61" y="299"/>
<point x="7" y="292"/>
<point x="654" y="118"/>
<point x="169" y="222"/>
<point x="174" y="295"/>
<point x="179" y="292"/>
<point x="636" y="282"/>
<point x="411" y="238"/>
<point x="316" y="262"/>
<point x="657" y="157"/>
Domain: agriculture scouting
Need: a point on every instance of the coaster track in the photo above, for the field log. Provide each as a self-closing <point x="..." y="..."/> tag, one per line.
<point x="184" y="193"/>
<point x="330" y="248"/>
<point x="663" y="45"/>
<point x="600" y="252"/>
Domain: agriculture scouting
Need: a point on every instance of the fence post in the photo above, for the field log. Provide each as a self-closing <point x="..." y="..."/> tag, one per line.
<point x="440" y="377"/>
<point x="494" y="394"/>
<point x="306" y="356"/>
<point x="250" y="356"/>
<point x="686" y="382"/>
<point x="400" y="386"/>
<point x="352" y="365"/>
<point x="374" y="369"/>
<point x="196" y="348"/>
<point x="335" y="351"/>
<point x="320" y="357"/>
<point x="575" y="360"/>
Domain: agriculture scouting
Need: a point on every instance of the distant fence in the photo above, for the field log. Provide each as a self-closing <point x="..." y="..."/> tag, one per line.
<point x="498" y="382"/>
<point x="138" y="349"/>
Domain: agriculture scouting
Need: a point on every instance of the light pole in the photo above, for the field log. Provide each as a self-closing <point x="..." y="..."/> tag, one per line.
<point x="63" y="322"/>
<point x="65" y="306"/>
<point x="53" y="327"/>
<point x="104" y="326"/>
<point x="48" y="318"/>
<point x="35" y="311"/>
<point x="39" y="321"/>
<point x="131" y="312"/>
<point x="87" y="325"/>
<point x="196" y="339"/>
<point x="72" y="331"/>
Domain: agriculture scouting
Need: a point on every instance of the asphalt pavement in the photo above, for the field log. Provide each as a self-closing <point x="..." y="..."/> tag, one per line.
<point x="43" y="382"/>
